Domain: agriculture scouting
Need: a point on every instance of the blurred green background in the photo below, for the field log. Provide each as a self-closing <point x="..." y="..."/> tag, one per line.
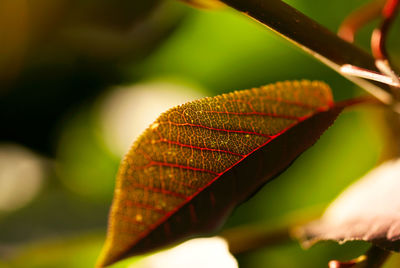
<point x="79" y="80"/>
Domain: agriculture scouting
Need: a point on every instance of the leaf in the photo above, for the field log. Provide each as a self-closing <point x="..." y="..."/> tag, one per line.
<point x="368" y="210"/>
<point x="186" y="173"/>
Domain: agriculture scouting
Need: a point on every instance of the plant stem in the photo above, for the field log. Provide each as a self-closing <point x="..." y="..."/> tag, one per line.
<point x="379" y="36"/>
<point x="374" y="258"/>
<point x="249" y="238"/>
<point x="314" y="39"/>
<point x="360" y="18"/>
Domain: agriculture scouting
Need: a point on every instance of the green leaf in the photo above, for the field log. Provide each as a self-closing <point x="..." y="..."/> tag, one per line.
<point x="198" y="161"/>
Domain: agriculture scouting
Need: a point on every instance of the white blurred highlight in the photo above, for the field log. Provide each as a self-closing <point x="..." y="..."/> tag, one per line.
<point x="367" y="210"/>
<point x="375" y="195"/>
<point x="21" y="176"/>
<point x="127" y="111"/>
<point x="196" y="253"/>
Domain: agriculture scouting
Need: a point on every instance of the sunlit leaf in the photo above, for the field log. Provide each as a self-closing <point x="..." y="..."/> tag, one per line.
<point x="368" y="210"/>
<point x="197" y="161"/>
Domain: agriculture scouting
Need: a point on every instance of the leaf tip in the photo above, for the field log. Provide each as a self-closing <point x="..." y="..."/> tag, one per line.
<point x="103" y="260"/>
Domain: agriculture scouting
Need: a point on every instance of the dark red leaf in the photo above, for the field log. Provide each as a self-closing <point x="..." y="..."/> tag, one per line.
<point x="197" y="161"/>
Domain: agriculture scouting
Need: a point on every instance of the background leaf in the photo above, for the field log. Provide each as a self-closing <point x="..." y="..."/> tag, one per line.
<point x="368" y="210"/>
<point x="197" y="161"/>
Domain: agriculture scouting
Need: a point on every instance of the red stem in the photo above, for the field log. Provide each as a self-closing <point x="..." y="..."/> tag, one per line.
<point x="358" y="18"/>
<point x="379" y="36"/>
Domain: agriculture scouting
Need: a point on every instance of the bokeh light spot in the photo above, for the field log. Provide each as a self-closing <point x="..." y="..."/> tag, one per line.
<point x="21" y="176"/>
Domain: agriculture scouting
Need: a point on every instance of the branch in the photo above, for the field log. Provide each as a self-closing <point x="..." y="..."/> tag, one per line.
<point x="249" y="238"/>
<point x="314" y="39"/>
<point x="374" y="258"/>
<point x="360" y="18"/>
